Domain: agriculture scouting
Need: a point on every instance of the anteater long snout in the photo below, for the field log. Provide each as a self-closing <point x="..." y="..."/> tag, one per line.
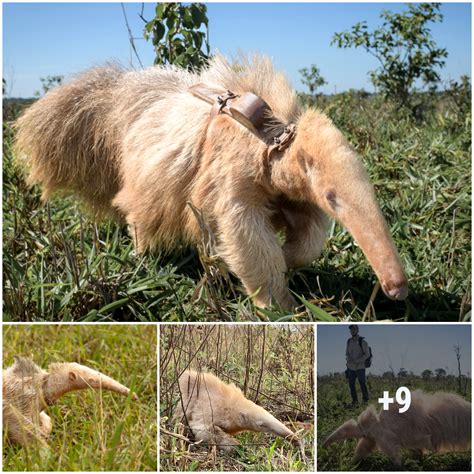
<point x="267" y="423"/>
<point x="350" y="429"/>
<point x="375" y="240"/>
<point x="358" y="211"/>
<point x="67" y="377"/>
<point x="279" y="429"/>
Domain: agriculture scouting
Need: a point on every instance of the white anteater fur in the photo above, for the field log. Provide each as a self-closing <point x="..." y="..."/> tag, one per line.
<point x="28" y="390"/>
<point x="138" y="145"/>
<point x="214" y="411"/>
<point x="439" y="422"/>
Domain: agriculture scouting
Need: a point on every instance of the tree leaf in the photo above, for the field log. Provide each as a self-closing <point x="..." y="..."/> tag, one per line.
<point x="158" y="32"/>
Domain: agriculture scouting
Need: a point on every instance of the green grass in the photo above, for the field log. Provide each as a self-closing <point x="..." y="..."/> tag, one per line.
<point x="334" y="409"/>
<point x="234" y="353"/>
<point x="61" y="266"/>
<point x="92" y="431"/>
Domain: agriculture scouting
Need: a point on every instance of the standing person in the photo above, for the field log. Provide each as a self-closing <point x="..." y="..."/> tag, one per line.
<point x="357" y="352"/>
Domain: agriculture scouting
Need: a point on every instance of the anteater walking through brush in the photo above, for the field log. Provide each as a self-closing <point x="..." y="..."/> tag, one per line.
<point x="215" y="411"/>
<point x="141" y="145"/>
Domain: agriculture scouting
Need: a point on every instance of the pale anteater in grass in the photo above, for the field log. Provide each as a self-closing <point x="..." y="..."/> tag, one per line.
<point x="140" y="145"/>
<point x="28" y="390"/>
<point x="439" y="422"/>
<point x="215" y="411"/>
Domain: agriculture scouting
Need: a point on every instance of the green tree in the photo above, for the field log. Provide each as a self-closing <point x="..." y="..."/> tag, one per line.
<point x="402" y="373"/>
<point x="440" y="373"/>
<point x="177" y="36"/>
<point x="312" y="78"/>
<point x="460" y="94"/>
<point x="48" y="83"/>
<point x="404" y="48"/>
<point x="427" y="374"/>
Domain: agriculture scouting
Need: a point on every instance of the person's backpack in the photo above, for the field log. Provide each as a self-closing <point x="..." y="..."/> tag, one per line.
<point x="368" y="361"/>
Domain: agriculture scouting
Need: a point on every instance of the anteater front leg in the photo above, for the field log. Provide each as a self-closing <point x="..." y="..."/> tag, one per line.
<point x="213" y="435"/>
<point x="248" y="245"/>
<point x="364" y="447"/>
<point x="22" y="430"/>
<point x="305" y="228"/>
<point x="45" y="424"/>
<point x="391" y="448"/>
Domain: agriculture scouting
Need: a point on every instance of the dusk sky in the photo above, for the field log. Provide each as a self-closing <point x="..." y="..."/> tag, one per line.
<point x="62" y="39"/>
<point x="415" y="347"/>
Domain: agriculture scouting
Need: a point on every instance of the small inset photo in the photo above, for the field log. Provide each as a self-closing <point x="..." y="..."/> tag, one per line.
<point x="394" y="397"/>
<point x="79" y="398"/>
<point x="236" y="397"/>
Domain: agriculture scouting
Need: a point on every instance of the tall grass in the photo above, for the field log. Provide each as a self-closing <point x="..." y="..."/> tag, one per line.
<point x="61" y="266"/>
<point x="273" y="365"/>
<point x="92" y="431"/>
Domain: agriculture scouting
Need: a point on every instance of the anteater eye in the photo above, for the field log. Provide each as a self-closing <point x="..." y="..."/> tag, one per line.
<point x="331" y="197"/>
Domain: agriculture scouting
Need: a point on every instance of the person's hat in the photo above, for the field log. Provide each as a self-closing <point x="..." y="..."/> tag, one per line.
<point x="353" y="326"/>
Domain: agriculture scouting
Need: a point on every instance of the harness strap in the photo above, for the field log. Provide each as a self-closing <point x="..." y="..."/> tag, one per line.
<point x="248" y="109"/>
<point x="221" y="102"/>
<point x="282" y="141"/>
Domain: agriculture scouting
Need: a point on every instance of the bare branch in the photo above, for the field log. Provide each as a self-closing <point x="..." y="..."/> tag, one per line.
<point x="130" y="36"/>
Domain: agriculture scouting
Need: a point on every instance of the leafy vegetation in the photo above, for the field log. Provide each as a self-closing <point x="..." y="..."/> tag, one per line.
<point x="404" y="48"/>
<point x="176" y="34"/>
<point x="92" y="431"/>
<point x="48" y="83"/>
<point x="312" y="78"/>
<point x="334" y="409"/>
<point x="273" y="365"/>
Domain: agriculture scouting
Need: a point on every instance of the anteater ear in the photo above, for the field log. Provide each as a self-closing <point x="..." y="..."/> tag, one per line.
<point x="244" y="419"/>
<point x="72" y="376"/>
<point x="304" y="160"/>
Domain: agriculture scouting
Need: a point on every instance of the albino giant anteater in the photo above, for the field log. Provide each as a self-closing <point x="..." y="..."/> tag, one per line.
<point x="139" y="145"/>
<point x="439" y="422"/>
<point x="28" y="391"/>
<point x="214" y="411"/>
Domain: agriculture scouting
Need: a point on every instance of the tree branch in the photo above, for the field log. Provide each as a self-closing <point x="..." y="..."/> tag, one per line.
<point x="130" y="36"/>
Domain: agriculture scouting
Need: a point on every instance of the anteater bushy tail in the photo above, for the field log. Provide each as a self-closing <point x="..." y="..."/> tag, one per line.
<point x="67" y="140"/>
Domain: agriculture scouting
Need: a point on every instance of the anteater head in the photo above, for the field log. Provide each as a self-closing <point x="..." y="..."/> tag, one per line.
<point x="321" y="167"/>
<point x="366" y="426"/>
<point x="67" y="377"/>
<point x="348" y="430"/>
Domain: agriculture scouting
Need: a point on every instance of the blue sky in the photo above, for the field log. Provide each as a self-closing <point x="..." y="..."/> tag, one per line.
<point x="41" y="39"/>
<point x="411" y="346"/>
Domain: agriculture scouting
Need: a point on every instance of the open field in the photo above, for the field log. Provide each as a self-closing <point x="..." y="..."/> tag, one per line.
<point x="334" y="408"/>
<point x="92" y="430"/>
<point x="273" y="365"/>
<point x="58" y="265"/>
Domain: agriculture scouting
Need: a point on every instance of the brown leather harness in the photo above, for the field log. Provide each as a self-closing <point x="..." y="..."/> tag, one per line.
<point x="248" y="109"/>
